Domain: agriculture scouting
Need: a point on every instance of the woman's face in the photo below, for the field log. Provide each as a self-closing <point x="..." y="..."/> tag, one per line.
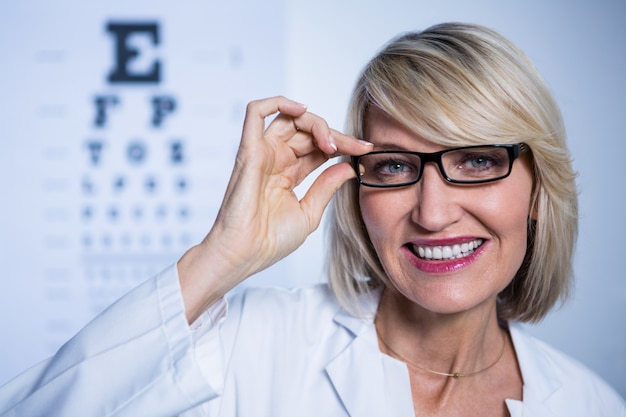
<point x="405" y="224"/>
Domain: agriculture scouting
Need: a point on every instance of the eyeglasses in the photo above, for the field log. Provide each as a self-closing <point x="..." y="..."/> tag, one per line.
<point x="466" y="165"/>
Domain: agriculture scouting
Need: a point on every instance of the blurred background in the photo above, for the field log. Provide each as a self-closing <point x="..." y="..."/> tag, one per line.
<point x="120" y="121"/>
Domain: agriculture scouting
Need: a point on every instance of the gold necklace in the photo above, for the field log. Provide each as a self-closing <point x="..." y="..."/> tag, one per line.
<point x="455" y="375"/>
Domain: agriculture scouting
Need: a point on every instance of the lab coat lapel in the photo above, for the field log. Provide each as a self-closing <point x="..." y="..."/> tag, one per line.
<point x="368" y="382"/>
<point x="542" y="391"/>
<point x="357" y="376"/>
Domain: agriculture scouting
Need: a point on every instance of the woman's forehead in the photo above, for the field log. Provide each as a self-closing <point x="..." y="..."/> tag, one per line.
<point x="387" y="133"/>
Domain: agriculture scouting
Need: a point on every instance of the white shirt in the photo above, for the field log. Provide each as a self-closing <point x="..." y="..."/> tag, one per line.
<point x="267" y="352"/>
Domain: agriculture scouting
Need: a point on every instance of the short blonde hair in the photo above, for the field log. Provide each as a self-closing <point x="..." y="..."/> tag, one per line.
<point x="456" y="85"/>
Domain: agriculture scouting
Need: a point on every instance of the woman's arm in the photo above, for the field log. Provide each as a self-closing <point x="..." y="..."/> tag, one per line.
<point x="138" y="357"/>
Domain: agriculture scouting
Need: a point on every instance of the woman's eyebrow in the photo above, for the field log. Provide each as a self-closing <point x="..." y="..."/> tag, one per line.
<point x="388" y="147"/>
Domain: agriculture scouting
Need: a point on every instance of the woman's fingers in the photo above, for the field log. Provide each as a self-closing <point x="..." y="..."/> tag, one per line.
<point x="319" y="129"/>
<point x="257" y="111"/>
<point x="259" y="202"/>
<point x="302" y="144"/>
<point x="295" y="122"/>
<point x="295" y="143"/>
<point x="330" y="141"/>
<point x="322" y="190"/>
<point x="351" y="146"/>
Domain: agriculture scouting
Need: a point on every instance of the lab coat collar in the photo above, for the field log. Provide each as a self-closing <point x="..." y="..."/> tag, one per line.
<point x="542" y="391"/>
<point x="367" y="305"/>
<point x="381" y="387"/>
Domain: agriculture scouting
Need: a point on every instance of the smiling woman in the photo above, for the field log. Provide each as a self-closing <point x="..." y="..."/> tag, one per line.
<point x="459" y="221"/>
<point x="433" y="214"/>
<point x="456" y="85"/>
<point x="461" y="248"/>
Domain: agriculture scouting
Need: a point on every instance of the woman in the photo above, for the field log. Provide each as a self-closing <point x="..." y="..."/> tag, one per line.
<point x="461" y="220"/>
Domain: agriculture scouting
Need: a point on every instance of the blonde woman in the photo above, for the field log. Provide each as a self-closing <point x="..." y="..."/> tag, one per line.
<point x="455" y="219"/>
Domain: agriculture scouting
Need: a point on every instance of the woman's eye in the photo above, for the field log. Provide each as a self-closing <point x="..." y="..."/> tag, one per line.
<point x="396" y="168"/>
<point x="392" y="167"/>
<point x="464" y="164"/>
<point x="480" y="162"/>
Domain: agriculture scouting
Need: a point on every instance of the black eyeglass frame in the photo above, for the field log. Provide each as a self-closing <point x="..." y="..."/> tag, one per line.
<point x="513" y="150"/>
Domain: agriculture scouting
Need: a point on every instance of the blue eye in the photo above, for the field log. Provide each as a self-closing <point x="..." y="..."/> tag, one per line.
<point x="477" y="163"/>
<point x="393" y="167"/>
<point x="480" y="162"/>
<point x="389" y="168"/>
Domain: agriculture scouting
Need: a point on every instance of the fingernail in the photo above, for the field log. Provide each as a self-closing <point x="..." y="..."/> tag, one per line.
<point x="331" y="141"/>
<point x="302" y="105"/>
<point x="366" y="143"/>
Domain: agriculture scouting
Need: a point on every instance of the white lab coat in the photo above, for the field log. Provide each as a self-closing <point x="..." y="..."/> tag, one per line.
<point x="267" y="352"/>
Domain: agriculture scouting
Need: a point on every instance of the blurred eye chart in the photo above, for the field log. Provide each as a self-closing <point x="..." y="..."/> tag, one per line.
<point x="119" y="126"/>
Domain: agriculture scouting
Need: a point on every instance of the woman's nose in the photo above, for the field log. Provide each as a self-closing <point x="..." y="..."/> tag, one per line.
<point x="437" y="205"/>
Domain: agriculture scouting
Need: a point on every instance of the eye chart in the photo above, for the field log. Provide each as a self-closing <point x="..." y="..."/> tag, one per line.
<point x="120" y="122"/>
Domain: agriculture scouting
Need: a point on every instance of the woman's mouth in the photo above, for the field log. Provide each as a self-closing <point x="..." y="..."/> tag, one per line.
<point x="445" y="252"/>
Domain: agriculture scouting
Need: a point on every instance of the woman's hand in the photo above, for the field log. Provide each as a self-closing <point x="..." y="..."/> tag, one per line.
<point x="261" y="219"/>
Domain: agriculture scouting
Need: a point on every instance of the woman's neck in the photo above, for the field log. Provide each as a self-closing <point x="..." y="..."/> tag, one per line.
<point x="463" y="342"/>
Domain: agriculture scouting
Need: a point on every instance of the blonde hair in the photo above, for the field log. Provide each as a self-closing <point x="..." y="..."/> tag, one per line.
<point x="460" y="84"/>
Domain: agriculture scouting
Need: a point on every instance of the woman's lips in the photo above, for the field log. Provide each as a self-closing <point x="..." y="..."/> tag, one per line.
<point x="458" y="250"/>
<point x="441" y="259"/>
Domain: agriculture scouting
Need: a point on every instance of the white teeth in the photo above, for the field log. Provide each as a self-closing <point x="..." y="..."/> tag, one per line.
<point x="447" y="252"/>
